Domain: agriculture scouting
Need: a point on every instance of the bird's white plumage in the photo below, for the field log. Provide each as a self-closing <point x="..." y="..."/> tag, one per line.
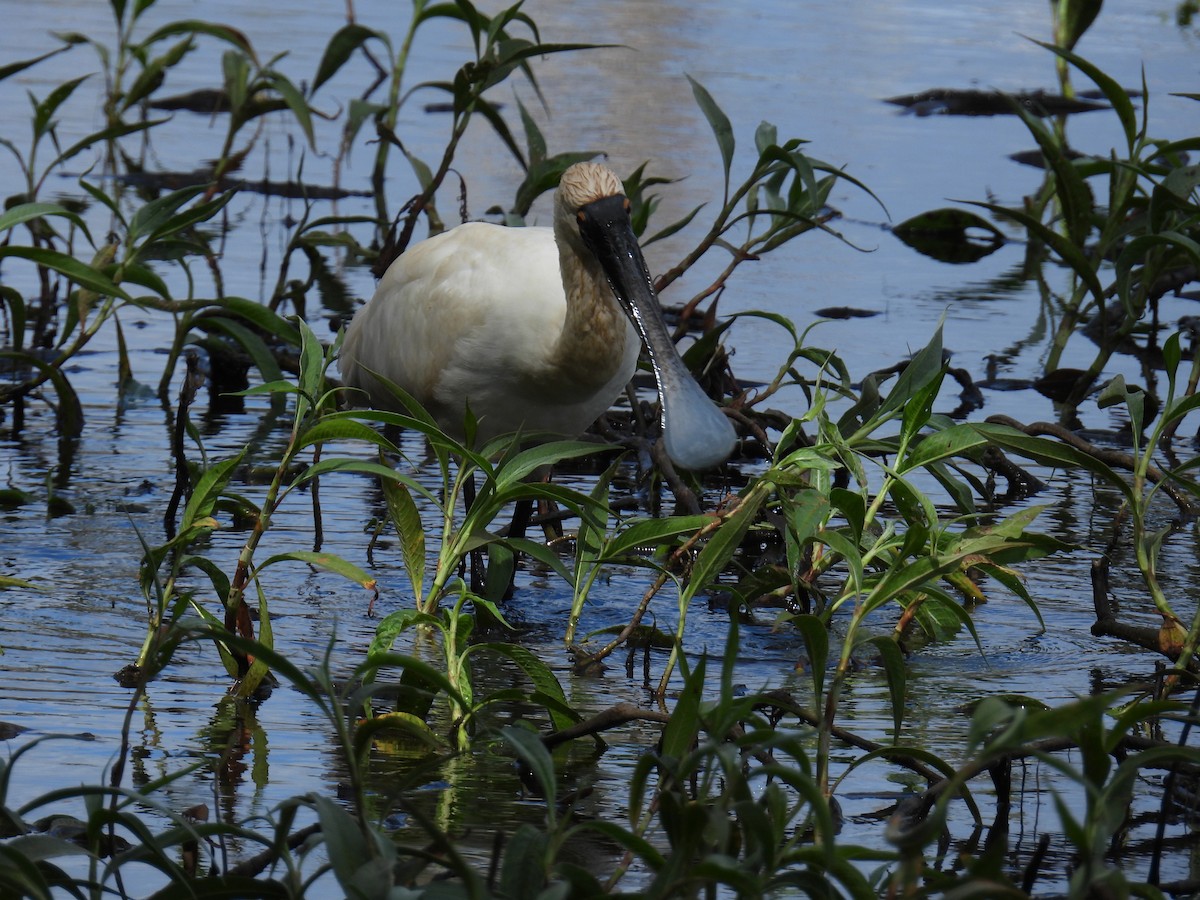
<point x="474" y="316"/>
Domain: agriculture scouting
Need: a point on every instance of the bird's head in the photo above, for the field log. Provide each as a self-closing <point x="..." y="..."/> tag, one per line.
<point x="589" y="194"/>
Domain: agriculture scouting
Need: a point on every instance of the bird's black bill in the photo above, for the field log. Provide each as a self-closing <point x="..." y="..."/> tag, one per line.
<point x="696" y="434"/>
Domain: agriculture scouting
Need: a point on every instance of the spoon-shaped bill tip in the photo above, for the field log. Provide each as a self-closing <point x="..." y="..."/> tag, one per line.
<point x="696" y="434"/>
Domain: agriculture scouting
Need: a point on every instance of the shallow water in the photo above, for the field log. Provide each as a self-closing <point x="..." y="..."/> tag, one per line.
<point x="818" y="71"/>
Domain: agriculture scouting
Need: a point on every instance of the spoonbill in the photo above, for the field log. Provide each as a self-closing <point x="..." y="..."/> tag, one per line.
<point x="535" y="329"/>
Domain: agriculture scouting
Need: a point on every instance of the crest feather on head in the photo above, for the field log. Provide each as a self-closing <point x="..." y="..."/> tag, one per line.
<point x="586" y="182"/>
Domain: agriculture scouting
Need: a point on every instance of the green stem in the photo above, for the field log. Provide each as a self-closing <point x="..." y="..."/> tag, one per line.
<point x="391" y="116"/>
<point x="237" y="618"/>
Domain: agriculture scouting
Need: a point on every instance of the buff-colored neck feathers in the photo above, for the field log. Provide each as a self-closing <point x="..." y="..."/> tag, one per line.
<point x="594" y="323"/>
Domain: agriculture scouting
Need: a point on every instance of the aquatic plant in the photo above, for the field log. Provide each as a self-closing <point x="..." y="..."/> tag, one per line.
<point x="875" y="521"/>
<point x="312" y="424"/>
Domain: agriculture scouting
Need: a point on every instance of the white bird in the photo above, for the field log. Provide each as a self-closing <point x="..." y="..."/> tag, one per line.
<point x="535" y="329"/>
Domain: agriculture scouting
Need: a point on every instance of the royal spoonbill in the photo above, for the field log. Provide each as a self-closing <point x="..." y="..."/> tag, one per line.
<point x="535" y="329"/>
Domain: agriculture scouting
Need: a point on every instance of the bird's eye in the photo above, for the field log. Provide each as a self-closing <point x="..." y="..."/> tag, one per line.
<point x="628" y="207"/>
<point x="581" y="216"/>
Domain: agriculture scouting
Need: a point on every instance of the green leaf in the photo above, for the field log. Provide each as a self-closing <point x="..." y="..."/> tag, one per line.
<point x="7" y="582"/>
<point x="327" y="561"/>
<point x="392" y="626"/>
<point x="111" y="133"/>
<point x="957" y="440"/>
<point x="719" y="123"/>
<point x="911" y="503"/>
<point x="1134" y="254"/>
<point x="836" y="541"/>
<point x="355" y="850"/>
<point x="816" y="642"/>
<point x="295" y="101"/>
<point x="918" y="378"/>
<point x="390" y="725"/>
<point x="808" y="510"/>
<point x="650" y="534"/>
<point x="529" y="461"/>
<point x="1075" y="17"/>
<point x="43" y="111"/>
<point x="251" y="342"/>
<point x="674" y="227"/>
<point x="1012" y="581"/>
<point x="494" y="117"/>
<point x="25" y="212"/>
<point x="540" y="553"/>
<point x="1053" y="453"/>
<point x="208" y="490"/>
<point x="340" y="427"/>
<point x="258" y="315"/>
<point x="534" y="754"/>
<point x="645" y="852"/>
<point x="1068" y="252"/>
<point x="541" y="675"/>
<point x="405" y="516"/>
<point x="198" y="26"/>
<point x="1113" y="92"/>
<point x="312" y="363"/>
<point x="153" y="74"/>
<point x="959" y="492"/>
<point x="684" y="725"/>
<point x="158" y="211"/>
<point x="363" y="467"/>
<point x="1177" y="409"/>
<point x="433" y="679"/>
<point x="260" y="668"/>
<point x="80" y="273"/>
<point x="853" y="507"/>
<point x="132" y="273"/>
<point x="527" y="854"/>
<point x="1070" y="189"/>
<point x="13" y="68"/>
<point x="719" y="549"/>
<point x="340" y="48"/>
<point x="162" y="219"/>
<point x="216" y="575"/>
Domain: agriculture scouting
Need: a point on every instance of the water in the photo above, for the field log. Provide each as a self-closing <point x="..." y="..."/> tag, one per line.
<point x="817" y="71"/>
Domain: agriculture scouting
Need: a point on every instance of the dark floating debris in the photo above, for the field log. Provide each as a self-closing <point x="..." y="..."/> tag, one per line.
<point x="950" y="235"/>
<point x="951" y="102"/>
<point x="69" y="828"/>
<point x="208" y="101"/>
<point x="173" y="181"/>
<point x="845" y="312"/>
<point x="1059" y="384"/>
<point x="449" y="107"/>
<point x="1037" y="159"/>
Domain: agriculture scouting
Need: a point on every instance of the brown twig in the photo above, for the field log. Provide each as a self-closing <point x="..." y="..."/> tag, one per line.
<point x="260" y="862"/>
<point x="612" y="717"/>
